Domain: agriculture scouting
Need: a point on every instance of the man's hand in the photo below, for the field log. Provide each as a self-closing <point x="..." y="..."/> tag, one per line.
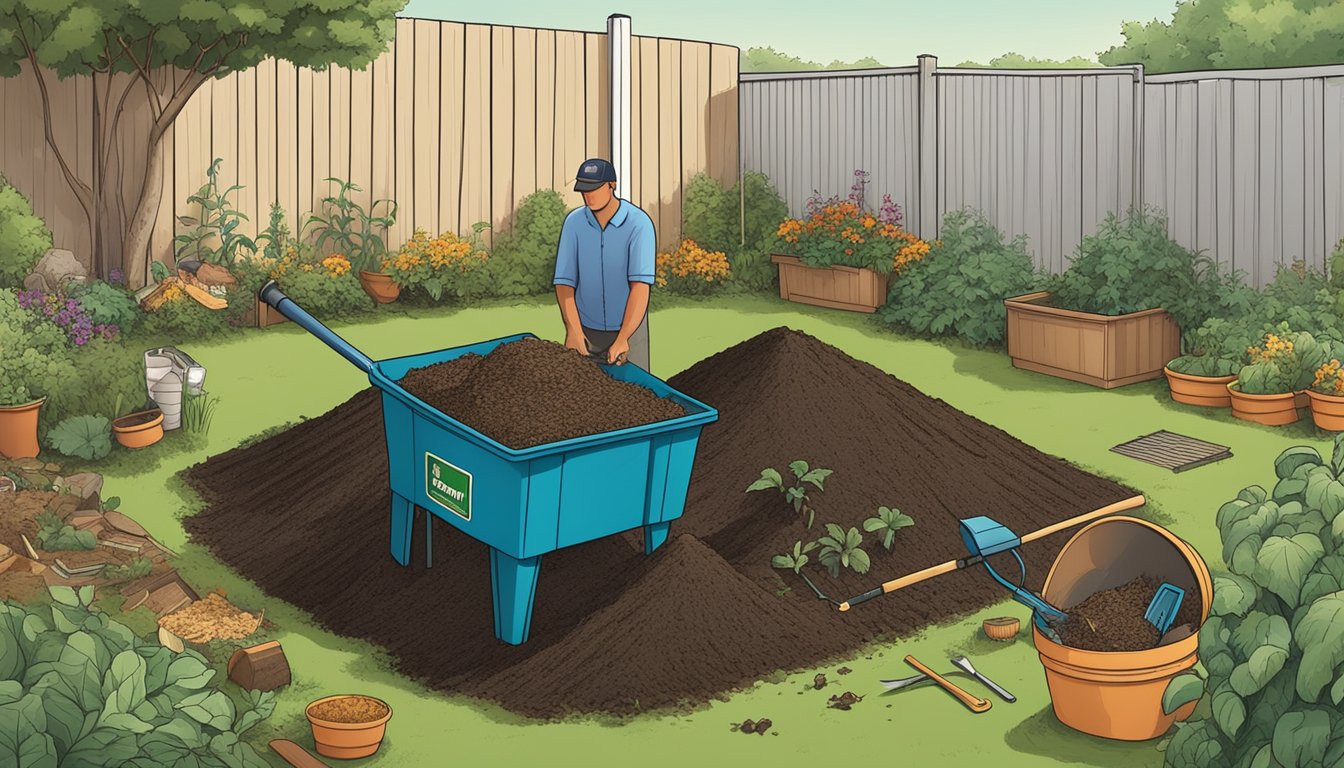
<point x="576" y="341"/>
<point x="618" y="351"/>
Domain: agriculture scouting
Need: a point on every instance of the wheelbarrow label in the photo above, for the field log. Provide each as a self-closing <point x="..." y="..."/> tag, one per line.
<point x="448" y="486"/>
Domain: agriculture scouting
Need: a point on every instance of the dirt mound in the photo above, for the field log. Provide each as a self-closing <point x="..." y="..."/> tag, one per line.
<point x="610" y="627"/>
<point x="531" y="391"/>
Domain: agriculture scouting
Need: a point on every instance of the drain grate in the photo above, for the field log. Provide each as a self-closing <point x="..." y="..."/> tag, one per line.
<point x="1172" y="451"/>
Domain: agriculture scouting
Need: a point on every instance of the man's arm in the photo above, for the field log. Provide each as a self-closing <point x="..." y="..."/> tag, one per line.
<point x="640" y="268"/>
<point x="635" y="307"/>
<point x="566" y="278"/>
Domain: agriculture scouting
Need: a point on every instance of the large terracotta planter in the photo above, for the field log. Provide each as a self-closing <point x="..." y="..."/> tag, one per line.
<point x="849" y="288"/>
<point x="139" y="430"/>
<point x="1327" y="410"/>
<point x="381" y="287"/>
<point x="18" y="430"/>
<point x="1102" y="350"/>
<point x="347" y="741"/>
<point x="1270" y="410"/>
<point x="1204" y="391"/>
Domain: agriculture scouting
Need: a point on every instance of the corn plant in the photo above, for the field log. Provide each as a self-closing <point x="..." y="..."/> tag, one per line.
<point x="797" y="493"/>
<point x="843" y="549"/>
<point x="351" y="230"/>
<point x="217" y="219"/>
<point x="796" y="559"/>
<point x="889" y="520"/>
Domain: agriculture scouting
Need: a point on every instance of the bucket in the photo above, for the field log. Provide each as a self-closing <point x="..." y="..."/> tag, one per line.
<point x="1118" y="695"/>
<point x="167" y="395"/>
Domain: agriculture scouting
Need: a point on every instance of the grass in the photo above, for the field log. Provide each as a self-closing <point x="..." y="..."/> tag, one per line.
<point x="270" y="378"/>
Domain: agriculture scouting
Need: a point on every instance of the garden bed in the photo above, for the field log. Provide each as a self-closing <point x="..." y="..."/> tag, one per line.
<point x="615" y="631"/>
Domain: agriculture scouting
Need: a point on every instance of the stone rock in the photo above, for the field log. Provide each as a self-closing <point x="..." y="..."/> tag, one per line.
<point x="35" y="282"/>
<point x="59" y="266"/>
<point x="85" y="484"/>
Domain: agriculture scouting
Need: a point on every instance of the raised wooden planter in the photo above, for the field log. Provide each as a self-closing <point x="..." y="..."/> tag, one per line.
<point x="1102" y="350"/>
<point x="850" y="288"/>
<point x="268" y="315"/>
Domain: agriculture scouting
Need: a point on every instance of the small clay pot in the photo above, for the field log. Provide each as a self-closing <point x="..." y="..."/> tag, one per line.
<point x="347" y="740"/>
<point x="139" y="430"/>
<point x="1002" y="629"/>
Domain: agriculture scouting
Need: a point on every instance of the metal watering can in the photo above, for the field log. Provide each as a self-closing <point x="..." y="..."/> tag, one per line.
<point x="984" y="537"/>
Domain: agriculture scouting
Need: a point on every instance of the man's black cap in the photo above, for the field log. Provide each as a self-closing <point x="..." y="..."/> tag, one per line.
<point x="593" y="173"/>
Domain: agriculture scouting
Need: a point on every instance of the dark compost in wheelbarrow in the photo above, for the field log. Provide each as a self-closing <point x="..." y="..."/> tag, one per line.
<point x="619" y="632"/>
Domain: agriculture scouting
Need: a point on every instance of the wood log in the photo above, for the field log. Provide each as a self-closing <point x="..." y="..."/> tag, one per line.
<point x="259" y="668"/>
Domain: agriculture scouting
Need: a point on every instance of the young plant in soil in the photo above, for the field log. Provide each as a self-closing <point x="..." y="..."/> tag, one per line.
<point x="889" y="520"/>
<point x="797" y="493"/>
<point x="842" y="549"/>
<point x="54" y="535"/>
<point x="796" y="559"/>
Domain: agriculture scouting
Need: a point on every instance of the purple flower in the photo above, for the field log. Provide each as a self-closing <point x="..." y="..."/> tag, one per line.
<point x="116" y="277"/>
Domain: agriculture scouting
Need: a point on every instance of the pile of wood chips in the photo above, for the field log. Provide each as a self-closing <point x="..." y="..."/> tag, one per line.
<point x="211" y="618"/>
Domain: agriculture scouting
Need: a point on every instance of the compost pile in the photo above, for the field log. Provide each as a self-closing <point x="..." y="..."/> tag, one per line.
<point x="530" y="392"/>
<point x="612" y="630"/>
<point x="1112" y="619"/>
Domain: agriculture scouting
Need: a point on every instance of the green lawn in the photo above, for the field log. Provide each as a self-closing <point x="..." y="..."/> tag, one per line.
<point x="268" y="378"/>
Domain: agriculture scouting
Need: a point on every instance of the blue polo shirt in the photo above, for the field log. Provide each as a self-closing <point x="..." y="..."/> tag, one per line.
<point x="600" y="264"/>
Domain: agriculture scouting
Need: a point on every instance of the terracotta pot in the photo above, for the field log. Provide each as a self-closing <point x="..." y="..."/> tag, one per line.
<point x="1002" y="629"/>
<point x="18" y="430"/>
<point x="1205" y="391"/>
<point x="1118" y="695"/>
<point x="347" y="741"/>
<point x="1327" y="410"/>
<point x="380" y="286"/>
<point x="139" y="430"/>
<point x="1270" y="410"/>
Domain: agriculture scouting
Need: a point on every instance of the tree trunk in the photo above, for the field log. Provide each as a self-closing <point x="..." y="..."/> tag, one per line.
<point x="135" y="255"/>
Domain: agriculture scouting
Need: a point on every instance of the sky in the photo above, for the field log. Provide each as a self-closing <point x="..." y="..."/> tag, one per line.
<point x="892" y="31"/>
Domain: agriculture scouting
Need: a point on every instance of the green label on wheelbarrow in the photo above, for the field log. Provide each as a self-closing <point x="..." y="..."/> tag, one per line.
<point x="448" y="485"/>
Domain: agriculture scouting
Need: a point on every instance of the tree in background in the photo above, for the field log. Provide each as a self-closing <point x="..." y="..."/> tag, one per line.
<point x="1235" y="34"/>
<point x="1018" y="61"/>
<point x="771" y="60"/>
<point x="169" y="50"/>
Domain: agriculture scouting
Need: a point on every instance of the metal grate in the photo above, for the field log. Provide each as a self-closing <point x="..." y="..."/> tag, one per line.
<point x="1172" y="451"/>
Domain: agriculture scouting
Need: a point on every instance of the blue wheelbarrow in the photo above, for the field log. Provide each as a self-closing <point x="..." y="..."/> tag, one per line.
<point x="521" y="503"/>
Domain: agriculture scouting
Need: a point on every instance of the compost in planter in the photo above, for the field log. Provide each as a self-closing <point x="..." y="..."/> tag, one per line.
<point x="1112" y="619"/>
<point x="615" y="631"/>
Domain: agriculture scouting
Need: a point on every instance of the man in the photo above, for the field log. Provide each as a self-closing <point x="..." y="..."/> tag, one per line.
<point x="604" y="267"/>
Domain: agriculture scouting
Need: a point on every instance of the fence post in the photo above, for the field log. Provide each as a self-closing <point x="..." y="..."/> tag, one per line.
<point x="1140" y="98"/>
<point x="928" y="147"/>
<point x="618" y="59"/>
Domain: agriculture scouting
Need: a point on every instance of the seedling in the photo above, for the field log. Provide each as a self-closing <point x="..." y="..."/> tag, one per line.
<point x="796" y="494"/>
<point x="889" y="520"/>
<point x="137" y="569"/>
<point x="55" y="535"/>
<point x="796" y="559"/>
<point x="842" y="549"/>
<point x="111" y="503"/>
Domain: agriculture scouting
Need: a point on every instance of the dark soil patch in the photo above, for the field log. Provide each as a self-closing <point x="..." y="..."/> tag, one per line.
<point x="531" y="392"/>
<point x="615" y="631"/>
<point x="136" y="419"/>
<point x="1112" y="619"/>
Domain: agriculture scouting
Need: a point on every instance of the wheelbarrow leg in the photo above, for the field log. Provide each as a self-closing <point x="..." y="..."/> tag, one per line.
<point x="403" y="515"/>
<point x="654" y="536"/>
<point x="513" y="583"/>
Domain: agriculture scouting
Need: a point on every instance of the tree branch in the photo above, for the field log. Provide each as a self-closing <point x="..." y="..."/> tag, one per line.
<point x="143" y="71"/>
<point x="82" y="191"/>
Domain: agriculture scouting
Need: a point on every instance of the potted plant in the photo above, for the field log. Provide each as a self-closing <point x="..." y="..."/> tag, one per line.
<point x="447" y="263"/>
<point x="1327" y="396"/>
<point x="348" y="726"/>
<point x="34" y="363"/>
<point x="841" y="254"/>
<point x="1271" y="388"/>
<point x="1201" y="376"/>
<point x="348" y="229"/>
<point x="137" y="430"/>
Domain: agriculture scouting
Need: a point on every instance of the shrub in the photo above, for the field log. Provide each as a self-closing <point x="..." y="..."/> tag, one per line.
<point x="108" y="306"/>
<point x="67" y="314"/>
<point x="1284" y="362"/>
<point x="739" y="221"/>
<point x="107" y="371"/>
<point x="327" y="289"/>
<point x="449" y="263"/>
<point x="23" y="236"/>
<point x="36" y="359"/>
<point x="712" y="215"/>
<point x="1219" y="347"/>
<point x="182" y="319"/>
<point x="83" y="437"/>
<point x="522" y="261"/>
<point x="78" y="688"/>
<point x="1274" y="642"/>
<point x="959" y="287"/>
<point x="691" y="269"/>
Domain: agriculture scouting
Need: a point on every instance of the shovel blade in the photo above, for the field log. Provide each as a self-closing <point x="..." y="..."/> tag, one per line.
<point x="1166" y="604"/>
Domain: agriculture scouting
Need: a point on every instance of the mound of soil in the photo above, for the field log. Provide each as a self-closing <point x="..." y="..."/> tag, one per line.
<point x="1112" y="619"/>
<point x="531" y="391"/>
<point x="612" y="630"/>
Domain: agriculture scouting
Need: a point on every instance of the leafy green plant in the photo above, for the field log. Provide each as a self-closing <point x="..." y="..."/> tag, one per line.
<point x="795" y="494"/>
<point x="449" y="264"/>
<point x="198" y="411"/>
<point x="1273" y="645"/>
<point x="55" y="535"/>
<point x="1284" y="362"/>
<point x="889" y="520"/>
<point x="79" y="689"/>
<point x="1216" y="348"/>
<point x="110" y="503"/>
<point x="959" y="287"/>
<point x="522" y="260"/>
<point x="324" y="293"/>
<point x="84" y="437"/>
<point x="159" y="271"/>
<point x="842" y="549"/>
<point x="138" y="568"/>
<point x="23" y="236"/>
<point x="214" y="235"/>
<point x="344" y="227"/>
<point x="796" y="559"/>
<point x="186" y="319"/>
<point x="36" y="359"/>
<point x="108" y="304"/>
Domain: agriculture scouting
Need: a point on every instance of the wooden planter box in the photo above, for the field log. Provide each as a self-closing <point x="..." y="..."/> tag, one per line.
<point x="857" y="290"/>
<point x="267" y="315"/>
<point x="1101" y="350"/>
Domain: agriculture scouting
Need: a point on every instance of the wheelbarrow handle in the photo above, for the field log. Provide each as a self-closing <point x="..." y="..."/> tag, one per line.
<point x="271" y="294"/>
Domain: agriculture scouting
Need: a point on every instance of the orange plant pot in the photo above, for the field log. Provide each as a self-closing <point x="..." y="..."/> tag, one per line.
<point x="1002" y="629"/>
<point x="139" y="430"/>
<point x="1270" y="410"/>
<point x="347" y="741"/>
<point x="381" y="287"/>
<point x="1327" y="411"/>
<point x="18" y="430"/>
<point x="1204" y="391"/>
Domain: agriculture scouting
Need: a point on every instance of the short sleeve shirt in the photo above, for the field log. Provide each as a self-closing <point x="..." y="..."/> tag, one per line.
<point x="600" y="264"/>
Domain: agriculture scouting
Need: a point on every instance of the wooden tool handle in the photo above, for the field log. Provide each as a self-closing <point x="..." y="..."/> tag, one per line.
<point x="973" y="703"/>
<point x="1133" y="502"/>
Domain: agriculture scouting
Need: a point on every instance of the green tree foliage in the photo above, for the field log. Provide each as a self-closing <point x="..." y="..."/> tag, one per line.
<point x="23" y="236"/>
<point x="1013" y="60"/>
<point x="1234" y="34"/>
<point x="200" y="40"/>
<point x="771" y="60"/>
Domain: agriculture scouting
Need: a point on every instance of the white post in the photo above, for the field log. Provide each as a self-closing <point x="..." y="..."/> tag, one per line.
<point x="618" y="58"/>
<point x="928" y="148"/>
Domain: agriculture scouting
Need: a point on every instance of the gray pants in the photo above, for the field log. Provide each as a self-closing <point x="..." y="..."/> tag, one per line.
<point x="600" y="341"/>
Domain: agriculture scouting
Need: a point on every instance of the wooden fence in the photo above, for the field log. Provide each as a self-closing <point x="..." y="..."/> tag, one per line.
<point x="1249" y="166"/>
<point x="456" y="122"/>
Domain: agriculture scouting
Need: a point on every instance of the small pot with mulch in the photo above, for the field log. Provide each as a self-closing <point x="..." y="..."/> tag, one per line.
<point x="139" y="430"/>
<point x="348" y="726"/>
